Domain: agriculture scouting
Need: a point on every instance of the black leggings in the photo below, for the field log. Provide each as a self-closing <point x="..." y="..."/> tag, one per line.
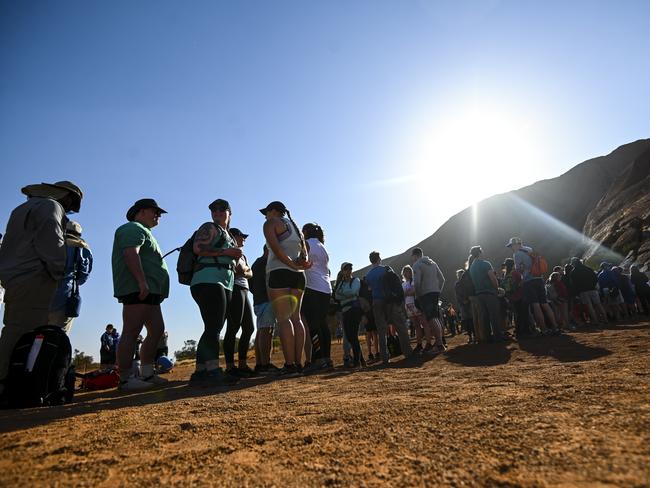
<point x="213" y="303"/>
<point x="315" y="305"/>
<point x="240" y="314"/>
<point x="351" y="320"/>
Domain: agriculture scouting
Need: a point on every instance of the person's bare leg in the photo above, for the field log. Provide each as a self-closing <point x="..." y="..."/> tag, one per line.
<point x="550" y="316"/>
<point x="426" y="329"/>
<point x="299" y="331"/>
<point x="419" y="334"/>
<point x="155" y="325"/>
<point x="283" y="306"/>
<point x="436" y="327"/>
<point x="133" y="318"/>
<point x="539" y="316"/>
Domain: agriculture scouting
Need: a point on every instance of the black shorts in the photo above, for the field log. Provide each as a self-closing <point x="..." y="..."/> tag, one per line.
<point x="429" y="305"/>
<point x="534" y="291"/>
<point x="134" y="299"/>
<point x="285" y="278"/>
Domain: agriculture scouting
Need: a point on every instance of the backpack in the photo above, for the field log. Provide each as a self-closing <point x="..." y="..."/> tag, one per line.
<point x="393" y="291"/>
<point x="188" y="264"/>
<point x="393" y="345"/>
<point x="40" y="369"/>
<point x="100" y="379"/>
<point x="539" y="266"/>
<point x="467" y="285"/>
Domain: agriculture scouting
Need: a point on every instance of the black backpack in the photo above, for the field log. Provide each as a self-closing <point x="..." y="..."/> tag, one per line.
<point x="393" y="346"/>
<point x="467" y="285"/>
<point x="393" y="291"/>
<point x="40" y="369"/>
<point x="187" y="263"/>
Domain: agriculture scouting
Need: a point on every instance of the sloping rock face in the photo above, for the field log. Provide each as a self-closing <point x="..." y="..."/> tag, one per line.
<point x="552" y="217"/>
<point x="621" y="220"/>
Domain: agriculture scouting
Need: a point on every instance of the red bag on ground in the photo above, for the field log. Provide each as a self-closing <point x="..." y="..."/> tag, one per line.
<point x="100" y="379"/>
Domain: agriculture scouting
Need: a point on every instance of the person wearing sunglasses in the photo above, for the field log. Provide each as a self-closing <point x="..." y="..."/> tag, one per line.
<point x="211" y="287"/>
<point x="140" y="284"/>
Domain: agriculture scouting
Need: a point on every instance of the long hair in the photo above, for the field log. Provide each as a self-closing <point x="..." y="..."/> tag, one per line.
<point x="339" y="280"/>
<point x="409" y="269"/>
<point x="302" y="239"/>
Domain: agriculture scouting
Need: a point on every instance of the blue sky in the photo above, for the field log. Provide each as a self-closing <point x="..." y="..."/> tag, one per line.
<point x="363" y="116"/>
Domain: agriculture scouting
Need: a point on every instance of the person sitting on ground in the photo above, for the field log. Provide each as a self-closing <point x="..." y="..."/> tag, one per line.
<point x="533" y="287"/>
<point x="107" y="348"/>
<point x="211" y="288"/>
<point x="240" y="315"/>
<point x="264" y="314"/>
<point x="140" y="284"/>
<point x="79" y="264"/>
<point x="422" y="327"/>
<point x="285" y="270"/>
<point x="486" y="286"/>
<point x="583" y="282"/>
<point x="428" y="282"/>
<point x="385" y="311"/>
<point x="32" y="260"/>
<point x="347" y="292"/>
<point x="464" y="306"/>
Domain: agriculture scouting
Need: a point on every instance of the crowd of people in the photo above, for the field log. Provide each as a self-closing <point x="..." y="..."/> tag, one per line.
<point x="43" y="261"/>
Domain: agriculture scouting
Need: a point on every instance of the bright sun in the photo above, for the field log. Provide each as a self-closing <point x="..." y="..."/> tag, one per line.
<point x="484" y="149"/>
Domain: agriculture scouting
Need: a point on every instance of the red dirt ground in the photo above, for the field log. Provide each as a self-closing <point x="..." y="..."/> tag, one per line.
<point x="558" y="411"/>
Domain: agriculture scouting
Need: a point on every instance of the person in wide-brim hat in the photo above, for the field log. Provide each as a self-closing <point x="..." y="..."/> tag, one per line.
<point x="142" y="204"/>
<point x="57" y="191"/>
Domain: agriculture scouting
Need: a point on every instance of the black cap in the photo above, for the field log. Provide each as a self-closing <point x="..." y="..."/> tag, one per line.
<point x="220" y="204"/>
<point x="236" y="232"/>
<point x="141" y="204"/>
<point x="279" y="206"/>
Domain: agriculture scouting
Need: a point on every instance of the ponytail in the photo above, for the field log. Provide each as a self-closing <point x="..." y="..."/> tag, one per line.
<point x="302" y="239"/>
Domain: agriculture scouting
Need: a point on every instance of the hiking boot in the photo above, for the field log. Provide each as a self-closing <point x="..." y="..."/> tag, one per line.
<point x="154" y="379"/>
<point x="134" y="384"/>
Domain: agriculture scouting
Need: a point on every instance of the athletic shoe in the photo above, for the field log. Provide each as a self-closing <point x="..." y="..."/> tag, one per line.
<point x="218" y="378"/>
<point x="198" y="377"/>
<point x="371" y="358"/>
<point x="427" y="348"/>
<point x="245" y="372"/>
<point x="134" y="384"/>
<point x="326" y="365"/>
<point x="272" y="368"/>
<point x="288" y="370"/>
<point x="154" y="379"/>
<point x="418" y="349"/>
<point x="309" y="368"/>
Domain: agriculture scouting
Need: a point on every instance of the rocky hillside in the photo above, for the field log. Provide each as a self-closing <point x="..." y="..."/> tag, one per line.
<point x="599" y="210"/>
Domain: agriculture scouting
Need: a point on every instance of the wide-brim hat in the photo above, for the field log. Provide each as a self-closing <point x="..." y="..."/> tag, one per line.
<point x="57" y="191"/>
<point x="141" y="204"/>
<point x="276" y="205"/>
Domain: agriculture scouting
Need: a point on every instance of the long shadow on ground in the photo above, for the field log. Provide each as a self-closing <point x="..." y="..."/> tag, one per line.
<point x="564" y="348"/>
<point x="588" y="328"/>
<point x="475" y="355"/>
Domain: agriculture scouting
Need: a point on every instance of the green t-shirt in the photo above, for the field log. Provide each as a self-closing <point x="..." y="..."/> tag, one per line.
<point x="217" y="275"/>
<point x="479" y="272"/>
<point x="134" y="234"/>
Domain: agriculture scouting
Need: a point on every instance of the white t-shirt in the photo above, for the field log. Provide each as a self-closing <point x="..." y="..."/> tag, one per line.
<point x="408" y="287"/>
<point x="318" y="276"/>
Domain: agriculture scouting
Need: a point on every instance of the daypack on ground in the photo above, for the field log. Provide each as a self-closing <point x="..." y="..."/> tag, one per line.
<point x="100" y="379"/>
<point x="393" y="345"/>
<point x="539" y="266"/>
<point x="393" y="291"/>
<point x="40" y="370"/>
<point x="188" y="264"/>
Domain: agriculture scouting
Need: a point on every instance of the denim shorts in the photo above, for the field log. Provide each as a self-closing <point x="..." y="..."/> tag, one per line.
<point x="265" y="315"/>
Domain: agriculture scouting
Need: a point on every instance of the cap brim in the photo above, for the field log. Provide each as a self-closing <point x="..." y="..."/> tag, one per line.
<point x="263" y="211"/>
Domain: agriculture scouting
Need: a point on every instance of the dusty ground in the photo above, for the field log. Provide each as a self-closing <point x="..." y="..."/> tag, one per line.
<point x="561" y="411"/>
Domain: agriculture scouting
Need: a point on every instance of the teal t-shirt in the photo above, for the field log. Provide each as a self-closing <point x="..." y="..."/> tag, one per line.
<point x="211" y="274"/>
<point x="134" y="234"/>
<point x="479" y="273"/>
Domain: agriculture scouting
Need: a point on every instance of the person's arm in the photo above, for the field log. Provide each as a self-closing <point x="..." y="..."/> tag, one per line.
<point x="203" y="240"/>
<point x="49" y="240"/>
<point x="85" y="265"/>
<point x="247" y="271"/>
<point x="493" y="278"/>
<point x="134" y="265"/>
<point x="441" y="277"/>
<point x="270" y="233"/>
